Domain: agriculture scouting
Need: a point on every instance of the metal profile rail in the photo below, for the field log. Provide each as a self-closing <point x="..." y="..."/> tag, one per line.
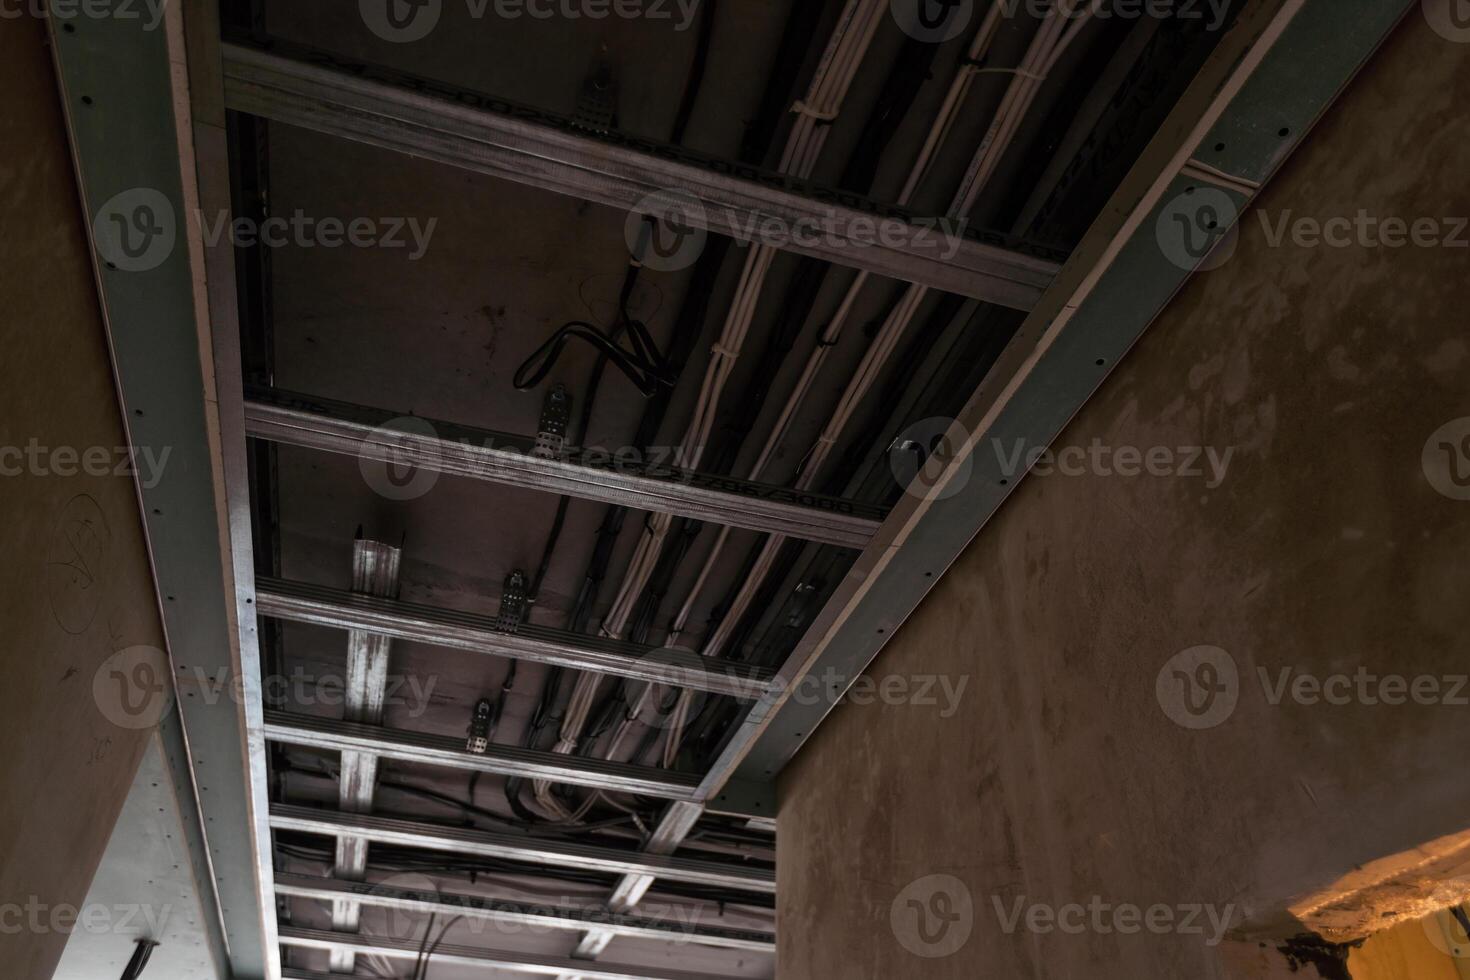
<point x="380" y="437"/>
<point x="323" y="606"/>
<point x="500" y="760"/>
<point x="474" y="957"/>
<point x="374" y="572"/>
<point x="521" y="916"/>
<point x="521" y="848"/>
<point x="388" y="109"/>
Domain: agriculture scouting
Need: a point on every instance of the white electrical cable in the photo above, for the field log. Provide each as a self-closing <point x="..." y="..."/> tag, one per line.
<point x="830" y="84"/>
<point x="1050" y="42"/>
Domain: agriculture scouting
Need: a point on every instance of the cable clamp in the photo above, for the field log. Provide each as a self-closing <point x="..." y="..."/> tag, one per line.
<point x="720" y="350"/>
<point x="802" y="109"/>
<point x="826" y="439"/>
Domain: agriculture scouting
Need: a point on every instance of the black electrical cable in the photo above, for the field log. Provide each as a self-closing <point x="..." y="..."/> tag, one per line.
<point x="141" y="954"/>
<point x="643" y="364"/>
<point x="421" y="972"/>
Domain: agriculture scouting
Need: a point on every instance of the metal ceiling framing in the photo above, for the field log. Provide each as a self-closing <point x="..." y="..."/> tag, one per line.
<point x="519" y="915"/>
<point x="1268" y="81"/>
<point x="319" y="91"/>
<point x="476" y="957"/>
<point x="473" y="633"/>
<point x="1270" y="78"/>
<point x="378" y="436"/>
<point x="499" y="760"/>
<point x="521" y="848"/>
<point x="374" y="573"/>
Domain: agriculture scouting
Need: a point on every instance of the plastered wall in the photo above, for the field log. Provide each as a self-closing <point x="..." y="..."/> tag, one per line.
<point x="75" y="586"/>
<point x="1086" y="808"/>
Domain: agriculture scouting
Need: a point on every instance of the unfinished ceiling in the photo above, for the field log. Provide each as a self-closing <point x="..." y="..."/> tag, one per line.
<point x="465" y="586"/>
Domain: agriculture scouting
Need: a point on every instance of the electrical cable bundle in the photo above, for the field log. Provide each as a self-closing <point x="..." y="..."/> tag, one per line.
<point x="1061" y="26"/>
<point x="844" y="53"/>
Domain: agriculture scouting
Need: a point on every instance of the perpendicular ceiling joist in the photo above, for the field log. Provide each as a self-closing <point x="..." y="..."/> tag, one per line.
<point x="501" y="760"/>
<point x="636" y="479"/>
<point x="519" y="916"/>
<point x="322" y="606"/>
<point x="369" y="104"/>
<point x="474" y="957"/>
<point x="521" y="848"/>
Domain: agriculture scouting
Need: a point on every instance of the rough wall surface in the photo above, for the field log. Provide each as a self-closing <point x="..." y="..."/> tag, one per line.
<point x="1060" y="786"/>
<point x="75" y="585"/>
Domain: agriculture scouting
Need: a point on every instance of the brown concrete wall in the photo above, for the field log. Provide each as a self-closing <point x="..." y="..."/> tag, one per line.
<point x="1060" y="778"/>
<point x="75" y="586"/>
